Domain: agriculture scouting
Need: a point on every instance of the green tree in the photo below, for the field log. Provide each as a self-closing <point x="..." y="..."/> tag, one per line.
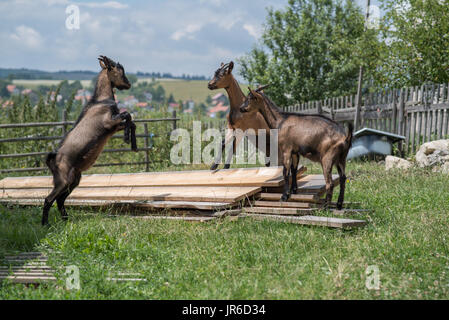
<point x="132" y="78"/>
<point x="312" y="49"/>
<point x="417" y="36"/>
<point x="171" y="99"/>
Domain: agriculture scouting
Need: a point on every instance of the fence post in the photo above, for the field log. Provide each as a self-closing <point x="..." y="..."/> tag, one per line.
<point x="318" y="107"/>
<point x="394" y="107"/>
<point x="147" y="146"/>
<point x="174" y="121"/>
<point x="401" y="120"/>
<point x="358" y="107"/>
<point x="64" y="119"/>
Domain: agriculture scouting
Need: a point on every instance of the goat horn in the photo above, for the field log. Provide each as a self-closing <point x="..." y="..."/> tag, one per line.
<point x="262" y="88"/>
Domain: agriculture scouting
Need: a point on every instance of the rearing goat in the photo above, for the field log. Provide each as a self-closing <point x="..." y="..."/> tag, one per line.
<point x="315" y="137"/>
<point x="82" y="145"/>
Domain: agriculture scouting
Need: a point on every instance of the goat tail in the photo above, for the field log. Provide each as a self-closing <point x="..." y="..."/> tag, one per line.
<point x="348" y="139"/>
<point x="51" y="162"/>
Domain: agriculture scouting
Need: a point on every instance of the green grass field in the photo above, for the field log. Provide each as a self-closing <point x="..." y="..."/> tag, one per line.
<point x="181" y="89"/>
<point x="406" y="238"/>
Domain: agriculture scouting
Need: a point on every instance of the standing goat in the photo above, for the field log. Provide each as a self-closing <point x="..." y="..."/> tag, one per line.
<point x="223" y="78"/>
<point x="315" y="137"/>
<point x="82" y="145"/>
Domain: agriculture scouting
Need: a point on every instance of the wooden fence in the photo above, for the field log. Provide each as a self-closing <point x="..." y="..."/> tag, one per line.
<point x="65" y="126"/>
<point x="419" y="113"/>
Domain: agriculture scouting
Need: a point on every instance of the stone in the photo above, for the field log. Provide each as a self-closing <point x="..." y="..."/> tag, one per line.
<point x="392" y="162"/>
<point x="445" y="168"/>
<point x="433" y="153"/>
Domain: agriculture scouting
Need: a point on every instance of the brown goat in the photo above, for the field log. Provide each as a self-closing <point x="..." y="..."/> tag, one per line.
<point x="223" y="78"/>
<point x="82" y="145"/>
<point x="315" y="137"/>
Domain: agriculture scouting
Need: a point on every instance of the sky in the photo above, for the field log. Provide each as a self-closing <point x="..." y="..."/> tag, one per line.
<point x="176" y="36"/>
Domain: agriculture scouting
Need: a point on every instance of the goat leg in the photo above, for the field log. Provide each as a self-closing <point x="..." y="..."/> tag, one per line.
<point x="286" y="173"/>
<point x="132" y="128"/>
<point x="217" y="160"/>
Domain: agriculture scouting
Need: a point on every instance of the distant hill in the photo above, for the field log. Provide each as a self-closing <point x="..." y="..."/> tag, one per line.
<point x="30" y="74"/>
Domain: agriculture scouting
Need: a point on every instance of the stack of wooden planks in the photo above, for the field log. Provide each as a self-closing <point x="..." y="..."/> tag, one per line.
<point x="254" y="192"/>
<point x="300" y="207"/>
<point x="201" y="189"/>
<point x="27" y="267"/>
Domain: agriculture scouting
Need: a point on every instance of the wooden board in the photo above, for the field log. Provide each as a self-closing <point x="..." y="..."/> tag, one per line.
<point x="313" y="220"/>
<point x="264" y="176"/>
<point x="305" y="197"/>
<point x="204" y="194"/>
<point x="129" y="203"/>
<point x="311" y="183"/>
<point x="282" y="204"/>
<point x="189" y="219"/>
<point x="279" y="211"/>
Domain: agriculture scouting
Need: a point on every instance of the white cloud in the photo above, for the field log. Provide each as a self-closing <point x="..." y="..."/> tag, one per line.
<point x="27" y="36"/>
<point x="108" y="5"/>
<point x="252" y="30"/>
<point x="188" y="31"/>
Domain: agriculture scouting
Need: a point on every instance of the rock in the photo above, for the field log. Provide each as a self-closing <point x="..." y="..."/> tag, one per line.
<point x="433" y="153"/>
<point x="445" y="168"/>
<point x="392" y="162"/>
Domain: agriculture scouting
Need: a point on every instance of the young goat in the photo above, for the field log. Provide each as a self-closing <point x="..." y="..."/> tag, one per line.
<point x="315" y="137"/>
<point x="223" y="78"/>
<point x="82" y="145"/>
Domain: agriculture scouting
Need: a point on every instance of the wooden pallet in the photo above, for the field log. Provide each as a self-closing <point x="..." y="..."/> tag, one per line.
<point x="31" y="268"/>
<point x="28" y="267"/>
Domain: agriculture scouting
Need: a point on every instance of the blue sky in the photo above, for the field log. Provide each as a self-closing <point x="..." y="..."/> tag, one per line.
<point x="177" y="36"/>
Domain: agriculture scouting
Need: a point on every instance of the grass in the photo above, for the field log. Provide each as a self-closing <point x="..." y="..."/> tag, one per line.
<point x="407" y="238"/>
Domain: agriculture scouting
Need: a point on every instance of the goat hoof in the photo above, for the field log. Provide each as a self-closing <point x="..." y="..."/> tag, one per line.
<point x="214" y="166"/>
<point x="226" y="166"/>
<point x="284" y="197"/>
<point x="339" y="206"/>
<point x="267" y="164"/>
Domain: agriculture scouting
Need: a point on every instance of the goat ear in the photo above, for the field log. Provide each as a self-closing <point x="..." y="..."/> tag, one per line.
<point x="102" y="65"/>
<point x="231" y="66"/>
<point x="261" y="88"/>
<point x="221" y="65"/>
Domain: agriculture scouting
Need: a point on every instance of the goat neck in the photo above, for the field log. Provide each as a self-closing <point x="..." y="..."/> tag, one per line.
<point x="103" y="88"/>
<point x="272" y="115"/>
<point x="235" y="94"/>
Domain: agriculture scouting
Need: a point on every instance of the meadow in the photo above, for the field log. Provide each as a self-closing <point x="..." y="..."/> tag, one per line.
<point x="195" y="90"/>
<point x="406" y="238"/>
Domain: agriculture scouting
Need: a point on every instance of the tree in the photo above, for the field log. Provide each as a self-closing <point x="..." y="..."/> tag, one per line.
<point x="132" y="78"/>
<point x="310" y="50"/>
<point x="171" y="99"/>
<point x="417" y="36"/>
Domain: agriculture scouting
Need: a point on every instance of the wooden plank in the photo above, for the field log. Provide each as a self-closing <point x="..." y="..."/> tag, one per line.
<point x="28" y="279"/>
<point x="34" y="273"/>
<point x="282" y="204"/>
<point x="279" y="211"/>
<point x="263" y="176"/>
<point x="205" y="194"/>
<point x="199" y="205"/>
<point x="312" y="183"/>
<point x="312" y="220"/>
<point x="25" y="268"/>
<point x="190" y="219"/>
<point x="305" y="197"/>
